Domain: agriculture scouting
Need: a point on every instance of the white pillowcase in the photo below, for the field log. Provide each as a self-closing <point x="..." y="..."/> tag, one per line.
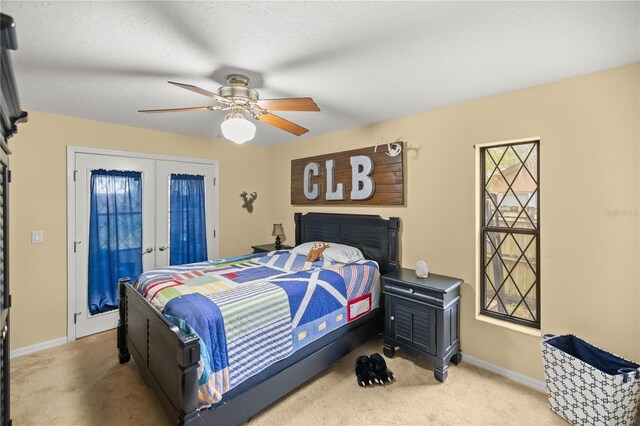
<point x="335" y="252"/>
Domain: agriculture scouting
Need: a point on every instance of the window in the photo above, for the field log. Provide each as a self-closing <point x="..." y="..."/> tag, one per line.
<point x="510" y="232"/>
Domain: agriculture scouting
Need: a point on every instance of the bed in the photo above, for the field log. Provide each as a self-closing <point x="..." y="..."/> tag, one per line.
<point x="169" y="355"/>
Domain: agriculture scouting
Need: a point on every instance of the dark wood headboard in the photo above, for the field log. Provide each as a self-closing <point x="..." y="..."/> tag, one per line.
<point x="376" y="237"/>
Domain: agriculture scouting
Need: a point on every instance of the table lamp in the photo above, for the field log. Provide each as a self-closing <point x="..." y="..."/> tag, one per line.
<point x="277" y="231"/>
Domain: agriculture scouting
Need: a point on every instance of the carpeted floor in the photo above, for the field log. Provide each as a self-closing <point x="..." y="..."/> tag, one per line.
<point x="82" y="383"/>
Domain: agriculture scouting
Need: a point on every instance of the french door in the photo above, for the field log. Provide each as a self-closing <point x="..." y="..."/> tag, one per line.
<point x="164" y="170"/>
<point x="136" y="236"/>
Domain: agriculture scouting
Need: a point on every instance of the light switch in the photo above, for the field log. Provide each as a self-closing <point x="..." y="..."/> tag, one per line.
<point x="37" y="237"/>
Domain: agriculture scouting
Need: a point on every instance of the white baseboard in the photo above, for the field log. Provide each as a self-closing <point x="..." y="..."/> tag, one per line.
<point x="509" y="374"/>
<point x="37" y="347"/>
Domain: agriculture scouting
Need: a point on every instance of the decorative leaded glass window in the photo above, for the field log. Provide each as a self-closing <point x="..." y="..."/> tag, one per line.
<point x="510" y="244"/>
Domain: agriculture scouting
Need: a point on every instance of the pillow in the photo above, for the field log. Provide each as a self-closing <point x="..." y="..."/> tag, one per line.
<point x="342" y="253"/>
<point x="336" y="252"/>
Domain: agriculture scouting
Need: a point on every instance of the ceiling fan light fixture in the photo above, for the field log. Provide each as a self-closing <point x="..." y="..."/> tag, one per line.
<point x="241" y="99"/>
<point x="237" y="129"/>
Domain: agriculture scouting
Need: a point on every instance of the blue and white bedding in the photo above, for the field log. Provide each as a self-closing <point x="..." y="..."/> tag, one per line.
<point x="252" y="311"/>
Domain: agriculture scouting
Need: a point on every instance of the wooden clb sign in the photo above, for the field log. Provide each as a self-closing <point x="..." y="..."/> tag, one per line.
<point x="360" y="176"/>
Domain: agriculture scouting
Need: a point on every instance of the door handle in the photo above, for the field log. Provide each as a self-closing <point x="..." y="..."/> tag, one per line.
<point x="148" y="250"/>
<point x="163" y="248"/>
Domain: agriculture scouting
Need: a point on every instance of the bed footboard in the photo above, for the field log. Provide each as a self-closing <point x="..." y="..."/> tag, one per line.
<point x="123" y="352"/>
<point x="167" y="357"/>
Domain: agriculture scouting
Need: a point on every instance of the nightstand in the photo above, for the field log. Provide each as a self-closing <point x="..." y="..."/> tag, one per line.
<point x="266" y="248"/>
<point x="422" y="317"/>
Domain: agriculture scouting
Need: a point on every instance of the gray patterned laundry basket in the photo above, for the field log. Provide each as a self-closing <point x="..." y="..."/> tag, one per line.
<point x="588" y="385"/>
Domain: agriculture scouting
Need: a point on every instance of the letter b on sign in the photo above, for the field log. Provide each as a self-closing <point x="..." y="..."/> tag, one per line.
<point x="362" y="186"/>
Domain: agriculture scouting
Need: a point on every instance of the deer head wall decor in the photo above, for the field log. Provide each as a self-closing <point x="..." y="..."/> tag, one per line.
<point x="248" y="200"/>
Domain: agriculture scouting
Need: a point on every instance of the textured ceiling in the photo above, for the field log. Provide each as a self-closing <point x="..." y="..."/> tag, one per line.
<point x="362" y="62"/>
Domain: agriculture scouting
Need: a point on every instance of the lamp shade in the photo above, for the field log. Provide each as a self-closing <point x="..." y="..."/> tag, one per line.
<point x="238" y="129"/>
<point x="277" y="230"/>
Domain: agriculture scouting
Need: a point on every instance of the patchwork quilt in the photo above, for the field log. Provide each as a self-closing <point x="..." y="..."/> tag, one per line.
<point x="252" y="311"/>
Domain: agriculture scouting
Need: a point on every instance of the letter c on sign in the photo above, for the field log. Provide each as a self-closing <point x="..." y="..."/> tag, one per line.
<point x="311" y="192"/>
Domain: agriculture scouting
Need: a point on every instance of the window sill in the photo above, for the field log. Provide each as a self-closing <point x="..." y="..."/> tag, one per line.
<point x="510" y="326"/>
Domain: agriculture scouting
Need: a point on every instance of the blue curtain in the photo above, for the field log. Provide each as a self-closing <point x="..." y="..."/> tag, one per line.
<point x="187" y="219"/>
<point x="115" y="235"/>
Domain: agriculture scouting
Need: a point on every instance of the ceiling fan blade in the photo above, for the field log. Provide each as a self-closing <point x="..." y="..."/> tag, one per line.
<point x="199" y="90"/>
<point x="283" y="124"/>
<point x="289" y="104"/>
<point x="202" y="108"/>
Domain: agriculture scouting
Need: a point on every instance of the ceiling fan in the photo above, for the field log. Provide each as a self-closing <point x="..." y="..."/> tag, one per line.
<point x="238" y="98"/>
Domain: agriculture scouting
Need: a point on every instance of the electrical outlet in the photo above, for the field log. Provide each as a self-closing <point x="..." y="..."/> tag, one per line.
<point x="37" y="237"/>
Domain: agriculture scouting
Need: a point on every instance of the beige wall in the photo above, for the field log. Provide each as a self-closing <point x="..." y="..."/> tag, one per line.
<point x="38" y="202"/>
<point x="589" y="130"/>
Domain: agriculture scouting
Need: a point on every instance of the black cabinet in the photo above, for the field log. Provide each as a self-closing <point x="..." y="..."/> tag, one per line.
<point x="10" y="115"/>
<point x="266" y="248"/>
<point x="412" y="324"/>
<point x="422" y="317"/>
<point x="5" y="296"/>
